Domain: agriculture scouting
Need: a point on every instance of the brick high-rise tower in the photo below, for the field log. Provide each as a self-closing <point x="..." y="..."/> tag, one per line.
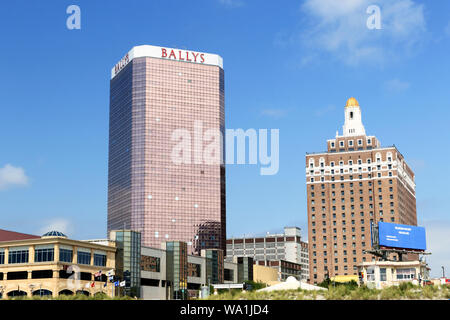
<point x="355" y="182"/>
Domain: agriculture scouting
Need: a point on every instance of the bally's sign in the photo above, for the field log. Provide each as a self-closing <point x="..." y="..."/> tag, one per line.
<point x="169" y="54"/>
<point x="122" y="63"/>
<point x="182" y="55"/>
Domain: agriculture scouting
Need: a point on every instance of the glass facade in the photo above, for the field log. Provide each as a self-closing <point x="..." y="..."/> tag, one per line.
<point x="245" y="269"/>
<point x="194" y="270"/>
<point x="99" y="259"/>
<point x="128" y="258"/>
<point x="214" y="265"/>
<point x="150" y="98"/>
<point x="65" y="255"/>
<point x="152" y="264"/>
<point x="18" y="255"/>
<point x="84" y="257"/>
<point x="44" y="255"/>
<point x="177" y="269"/>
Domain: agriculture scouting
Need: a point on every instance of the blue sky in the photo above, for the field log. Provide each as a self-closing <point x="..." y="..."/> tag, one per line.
<point x="289" y="65"/>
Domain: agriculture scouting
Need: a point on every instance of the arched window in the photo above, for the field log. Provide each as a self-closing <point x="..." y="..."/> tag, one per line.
<point x="42" y="292"/>
<point x="17" y="293"/>
<point x="378" y="157"/>
<point x="66" y="292"/>
<point x="389" y="156"/>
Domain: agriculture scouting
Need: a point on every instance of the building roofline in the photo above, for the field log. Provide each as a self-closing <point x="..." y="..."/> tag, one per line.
<point x="54" y="240"/>
<point x="341" y="152"/>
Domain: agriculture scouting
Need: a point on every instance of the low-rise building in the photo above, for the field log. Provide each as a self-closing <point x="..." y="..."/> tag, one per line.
<point x="53" y="265"/>
<point x="284" y="251"/>
<point x="170" y="272"/>
<point x="382" y="274"/>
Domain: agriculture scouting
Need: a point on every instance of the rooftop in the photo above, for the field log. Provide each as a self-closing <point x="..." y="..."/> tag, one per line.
<point x="6" y="235"/>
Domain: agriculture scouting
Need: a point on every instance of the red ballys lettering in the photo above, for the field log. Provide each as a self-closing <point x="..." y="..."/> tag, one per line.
<point x="183" y="55"/>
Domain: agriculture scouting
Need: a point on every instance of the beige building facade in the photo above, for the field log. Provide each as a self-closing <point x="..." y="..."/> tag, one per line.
<point x="265" y="275"/>
<point x="349" y="186"/>
<point x="54" y="265"/>
<point x="382" y="274"/>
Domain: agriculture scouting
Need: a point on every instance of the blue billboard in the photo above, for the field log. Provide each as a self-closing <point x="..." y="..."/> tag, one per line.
<point x="401" y="236"/>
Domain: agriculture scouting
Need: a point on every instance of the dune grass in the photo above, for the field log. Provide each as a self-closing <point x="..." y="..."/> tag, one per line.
<point x="405" y="291"/>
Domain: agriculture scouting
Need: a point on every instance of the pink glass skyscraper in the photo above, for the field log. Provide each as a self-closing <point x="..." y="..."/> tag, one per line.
<point x="153" y="92"/>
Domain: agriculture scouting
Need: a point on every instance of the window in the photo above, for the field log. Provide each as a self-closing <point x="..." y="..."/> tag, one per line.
<point x="370" y="273"/>
<point x="332" y="144"/>
<point x="18" y="255"/>
<point x="44" y="254"/>
<point x="65" y="255"/>
<point x="2" y="256"/>
<point x="100" y="259"/>
<point x="406" y="274"/>
<point x="382" y="274"/>
<point x="84" y="257"/>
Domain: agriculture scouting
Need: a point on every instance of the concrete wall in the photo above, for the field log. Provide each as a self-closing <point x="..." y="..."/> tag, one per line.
<point x="265" y="274"/>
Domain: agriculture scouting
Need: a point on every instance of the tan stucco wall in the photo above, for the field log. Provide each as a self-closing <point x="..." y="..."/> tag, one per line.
<point x="265" y="274"/>
<point x="55" y="284"/>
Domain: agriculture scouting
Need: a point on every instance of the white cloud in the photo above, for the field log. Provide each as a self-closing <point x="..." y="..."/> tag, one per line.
<point x="57" y="224"/>
<point x="396" y="85"/>
<point x="274" y="113"/>
<point x="438" y="243"/>
<point x="11" y="176"/>
<point x="232" y="3"/>
<point x="339" y="28"/>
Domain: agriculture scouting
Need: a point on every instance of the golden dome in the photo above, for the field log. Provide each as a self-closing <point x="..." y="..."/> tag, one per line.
<point x="352" y="102"/>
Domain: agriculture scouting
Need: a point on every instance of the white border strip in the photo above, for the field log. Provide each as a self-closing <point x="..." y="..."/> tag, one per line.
<point x="169" y="54"/>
